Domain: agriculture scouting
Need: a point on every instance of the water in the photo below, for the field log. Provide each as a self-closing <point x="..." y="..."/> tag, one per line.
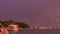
<point x="36" y="31"/>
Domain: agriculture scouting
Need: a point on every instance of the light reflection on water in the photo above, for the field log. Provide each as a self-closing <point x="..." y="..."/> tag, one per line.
<point x="36" y="31"/>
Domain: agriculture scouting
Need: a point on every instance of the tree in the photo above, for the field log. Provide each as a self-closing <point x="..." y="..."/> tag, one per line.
<point x="8" y="22"/>
<point x="22" y="25"/>
<point x="1" y="23"/>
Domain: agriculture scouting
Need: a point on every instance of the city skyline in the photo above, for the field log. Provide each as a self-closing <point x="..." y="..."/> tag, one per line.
<point x="33" y="12"/>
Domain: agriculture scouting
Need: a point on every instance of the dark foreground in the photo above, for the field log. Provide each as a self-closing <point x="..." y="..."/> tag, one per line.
<point x="36" y="31"/>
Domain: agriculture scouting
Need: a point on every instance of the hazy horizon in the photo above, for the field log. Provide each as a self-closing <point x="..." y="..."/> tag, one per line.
<point x="33" y="12"/>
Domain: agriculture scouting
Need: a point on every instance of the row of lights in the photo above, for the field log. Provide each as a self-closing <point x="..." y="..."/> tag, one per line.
<point x="45" y="27"/>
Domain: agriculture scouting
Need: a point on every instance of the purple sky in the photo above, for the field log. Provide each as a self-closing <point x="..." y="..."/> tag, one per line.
<point x="33" y="12"/>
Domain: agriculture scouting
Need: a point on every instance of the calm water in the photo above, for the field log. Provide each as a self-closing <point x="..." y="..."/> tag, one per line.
<point x="35" y="31"/>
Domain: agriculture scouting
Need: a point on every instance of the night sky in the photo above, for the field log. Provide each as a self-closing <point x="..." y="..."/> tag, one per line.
<point x="33" y="12"/>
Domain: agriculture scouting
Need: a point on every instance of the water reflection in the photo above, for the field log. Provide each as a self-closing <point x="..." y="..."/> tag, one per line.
<point x="36" y="31"/>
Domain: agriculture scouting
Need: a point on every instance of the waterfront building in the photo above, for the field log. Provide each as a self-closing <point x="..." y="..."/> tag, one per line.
<point x="50" y="27"/>
<point x="43" y="27"/>
<point x="13" y="27"/>
<point x="58" y="27"/>
<point x="35" y="27"/>
<point x="31" y="27"/>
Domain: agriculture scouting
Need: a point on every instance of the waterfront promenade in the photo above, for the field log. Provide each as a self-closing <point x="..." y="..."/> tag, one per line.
<point x="45" y="27"/>
<point x="5" y="30"/>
